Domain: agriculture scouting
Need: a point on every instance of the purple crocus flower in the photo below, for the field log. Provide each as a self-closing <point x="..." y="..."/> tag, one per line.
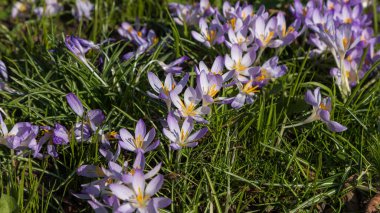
<point x="216" y="69"/>
<point x="3" y="71"/>
<point x="265" y="32"/>
<point x="91" y="121"/>
<point x="20" y="9"/>
<point x="79" y="47"/>
<point x="245" y="95"/>
<point x="141" y="142"/>
<point x="300" y="12"/>
<point x="139" y="196"/>
<point x="22" y="136"/>
<point x="173" y="67"/>
<point x="82" y="9"/>
<point x="241" y="37"/>
<point x="269" y="70"/>
<point x="188" y="107"/>
<point x="208" y="86"/>
<point x="164" y="89"/>
<point x="183" y="14"/>
<point x="287" y="35"/>
<point x="53" y="137"/>
<point x="210" y="35"/>
<point x="180" y="138"/>
<point x="238" y="64"/>
<point x="75" y="104"/>
<point x="321" y="110"/>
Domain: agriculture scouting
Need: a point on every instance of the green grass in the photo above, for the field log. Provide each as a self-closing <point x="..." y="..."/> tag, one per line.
<point x="248" y="162"/>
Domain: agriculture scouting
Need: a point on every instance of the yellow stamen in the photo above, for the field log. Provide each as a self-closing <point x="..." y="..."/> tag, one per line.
<point x="132" y="172"/>
<point x="211" y="35"/>
<point x="323" y="106"/>
<point x="345" y="42"/>
<point x="139" y="34"/>
<point x="155" y="40"/>
<point x="22" y="8"/>
<point x="183" y="137"/>
<point x="248" y="88"/>
<point x="263" y="75"/>
<point x="233" y="23"/>
<point x="267" y="39"/>
<point x="239" y="67"/>
<point x="139" y="141"/>
<point x="189" y="110"/>
<point x="212" y="91"/>
<point x="348" y="21"/>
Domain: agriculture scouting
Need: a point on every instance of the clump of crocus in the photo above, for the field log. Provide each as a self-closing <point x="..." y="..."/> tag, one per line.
<point x="183" y="137"/>
<point x="141" y="142"/>
<point x="90" y="121"/>
<point x="321" y="111"/>
<point x="142" y="37"/>
<point x="122" y="189"/>
<point x="342" y="28"/>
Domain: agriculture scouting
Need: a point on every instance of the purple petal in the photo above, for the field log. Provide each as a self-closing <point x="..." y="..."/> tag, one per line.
<point x="75" y="104"/>
<point x="197" y="135"/>
<point x="154" y="82"/>
<point x="121" y="191"/>
<point x="140" y="129"/>
<point x="336" y="127"/>
<point x="154" y="185"/>
<point x="160" y="202"/>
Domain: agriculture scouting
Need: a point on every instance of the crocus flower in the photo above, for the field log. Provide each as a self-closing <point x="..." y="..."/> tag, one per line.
<point x="53" y="137"/>
<point x="238" y="64"/>
<point x="183" y="14"/>
<point x="208" y="86"/>
<point x="210" y="35"/>
<point x="321" y="110"/>
<point x="180" y="138"/>
<point x="139" y="196"/>
<point x="164" y="89"/>
<point x="21" y="8"/>
<point x="265" y="32"/>
<point x="79" y="47"/>
<point x="82" y="9"/>
<point x="51" y="8"/>
<point x="301" y="12"/>
<point x="286" y="35"/>
<point x="242" y="38"/>
<point x="141" y="142"/>
<point x="173" y="67"/>
<point x="269" y="70"/>
<point x="188" y="107"/>
<point x="246" y="94"/>
<point x="3" y="71"/>
<point x="22" y="136"/>
<point x="91" y="120"/>
<point x="216" y="69"/>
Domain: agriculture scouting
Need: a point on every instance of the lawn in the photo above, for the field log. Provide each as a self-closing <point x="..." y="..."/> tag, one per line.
<point x="187" y="106"/>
